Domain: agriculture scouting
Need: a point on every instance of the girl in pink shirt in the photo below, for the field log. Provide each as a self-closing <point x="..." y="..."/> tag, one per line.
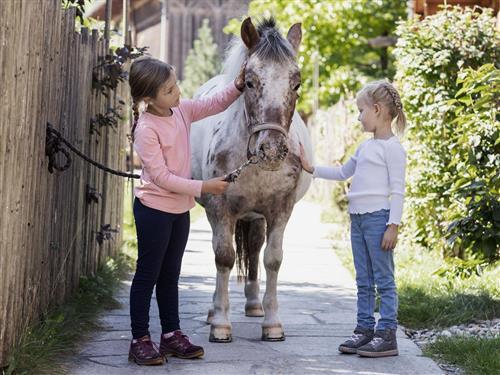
<point x="163" y="199"/>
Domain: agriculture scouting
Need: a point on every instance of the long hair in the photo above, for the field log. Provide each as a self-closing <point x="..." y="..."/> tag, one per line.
<point x="146" y="76"/>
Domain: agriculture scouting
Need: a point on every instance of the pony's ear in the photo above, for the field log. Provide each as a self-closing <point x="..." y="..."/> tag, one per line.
<point x="294" y="36"/>
<point x="249" y="33"/>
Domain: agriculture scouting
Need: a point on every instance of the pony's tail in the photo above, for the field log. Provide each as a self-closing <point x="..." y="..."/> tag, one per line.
<point x="241" y="234"/>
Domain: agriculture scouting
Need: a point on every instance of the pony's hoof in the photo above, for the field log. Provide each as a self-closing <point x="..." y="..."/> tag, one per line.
<point x="220" y="334"/>
<point x="210" y="316"/>
<point x="273" y="333"/>
<point x="254" y="310"/>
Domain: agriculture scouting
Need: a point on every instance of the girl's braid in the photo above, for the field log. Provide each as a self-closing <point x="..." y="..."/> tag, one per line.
<point x="395" y="96"/>
<point x="135" y="110"/>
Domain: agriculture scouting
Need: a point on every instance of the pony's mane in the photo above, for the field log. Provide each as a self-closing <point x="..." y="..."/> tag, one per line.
<point x="272" y="47"/>
<point x="236" y="53"/>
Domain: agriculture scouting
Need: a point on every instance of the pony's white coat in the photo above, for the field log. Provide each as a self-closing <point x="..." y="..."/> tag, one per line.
<point x="227" y="134"/>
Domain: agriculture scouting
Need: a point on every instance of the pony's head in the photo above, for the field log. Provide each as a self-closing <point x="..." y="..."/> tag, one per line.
<point x="272" y="78"/>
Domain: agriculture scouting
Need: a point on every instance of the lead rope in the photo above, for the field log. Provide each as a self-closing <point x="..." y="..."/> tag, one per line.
<point x="53" y="145"/>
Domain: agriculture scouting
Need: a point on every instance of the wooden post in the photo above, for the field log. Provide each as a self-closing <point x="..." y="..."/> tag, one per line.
<point x="315" y="85"/>
<point x="164" y="31"/>
<point x="107" y="23"/>
<point x="127" y="41"/>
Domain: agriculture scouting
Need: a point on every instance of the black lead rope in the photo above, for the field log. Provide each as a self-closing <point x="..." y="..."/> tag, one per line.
<point x="54" y="144"/>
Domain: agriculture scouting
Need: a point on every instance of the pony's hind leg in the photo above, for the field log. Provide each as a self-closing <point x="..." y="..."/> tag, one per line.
<point x="256" y="236"/>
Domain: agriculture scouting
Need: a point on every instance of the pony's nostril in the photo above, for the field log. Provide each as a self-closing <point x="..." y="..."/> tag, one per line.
<point x="283" y="152"/>
<point x="262" y="152"/>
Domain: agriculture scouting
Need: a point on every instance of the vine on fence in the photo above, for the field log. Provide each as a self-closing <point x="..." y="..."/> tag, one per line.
<point x="79" y="5"/>
<point x="110" y="118"/>
<point x="106" y="76"/>
<point x="110" y="70"/>
<point x="105" y="234"/>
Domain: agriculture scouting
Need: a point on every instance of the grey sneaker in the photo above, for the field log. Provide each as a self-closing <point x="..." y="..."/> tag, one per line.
<point x="384" y="344"/>
<point x="360" y="337"/>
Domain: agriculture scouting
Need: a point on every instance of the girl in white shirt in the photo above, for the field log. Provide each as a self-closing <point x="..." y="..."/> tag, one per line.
<point x="375" y="207"/>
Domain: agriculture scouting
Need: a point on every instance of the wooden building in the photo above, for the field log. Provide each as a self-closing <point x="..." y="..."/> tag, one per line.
<point x="429" y="7"/>
<point x="183" y="19"/>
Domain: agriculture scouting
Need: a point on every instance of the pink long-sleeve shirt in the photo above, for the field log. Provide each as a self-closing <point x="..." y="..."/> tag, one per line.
<point x="162" y="144"/>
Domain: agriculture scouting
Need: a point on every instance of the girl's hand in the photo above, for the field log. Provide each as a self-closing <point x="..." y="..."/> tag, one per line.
<point x="239" y="82"/>
<point x="305" y="164"/>
<point x="214" y="186"/>
<point x="390" y="237"/>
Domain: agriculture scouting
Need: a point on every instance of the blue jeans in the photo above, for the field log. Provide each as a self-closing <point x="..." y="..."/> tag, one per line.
<point x="374" y="268"/>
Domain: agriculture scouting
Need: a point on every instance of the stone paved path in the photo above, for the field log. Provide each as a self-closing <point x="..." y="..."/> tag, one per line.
<point x="317" y="307"/>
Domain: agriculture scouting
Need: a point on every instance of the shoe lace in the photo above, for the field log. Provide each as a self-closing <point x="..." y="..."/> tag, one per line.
<point x="147" y="348"/>
<point x="356" y="336"/>
<point x="183" y="340"/>
<point x="376" y="340"/>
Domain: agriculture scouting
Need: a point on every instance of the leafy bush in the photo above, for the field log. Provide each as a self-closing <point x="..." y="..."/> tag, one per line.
<point x="474" y="154"/>
<point x="450" y="99"/>
<point x="336" y="34"/>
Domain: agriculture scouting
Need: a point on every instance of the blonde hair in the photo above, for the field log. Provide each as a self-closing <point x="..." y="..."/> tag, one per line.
<point x="386" y="94"/>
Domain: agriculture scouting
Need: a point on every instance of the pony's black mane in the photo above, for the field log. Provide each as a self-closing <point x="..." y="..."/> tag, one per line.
<point x="272" y="46"/>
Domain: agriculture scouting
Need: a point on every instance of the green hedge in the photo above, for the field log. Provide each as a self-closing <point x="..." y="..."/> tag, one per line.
<point x="449" y="84"/>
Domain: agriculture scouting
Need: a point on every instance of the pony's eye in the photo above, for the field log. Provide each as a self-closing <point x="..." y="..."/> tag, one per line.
<point x="249" y="85"/>
<point x="296" y="87"/>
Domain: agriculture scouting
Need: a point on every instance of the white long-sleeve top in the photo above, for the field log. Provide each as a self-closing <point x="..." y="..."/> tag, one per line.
<point x="378" y="170"/>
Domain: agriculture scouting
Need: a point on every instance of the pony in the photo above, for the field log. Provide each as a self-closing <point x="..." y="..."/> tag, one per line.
<point x="261" y="131"/>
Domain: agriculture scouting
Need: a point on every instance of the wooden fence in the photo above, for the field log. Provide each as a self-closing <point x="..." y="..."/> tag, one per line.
<point x="48" y="229"/>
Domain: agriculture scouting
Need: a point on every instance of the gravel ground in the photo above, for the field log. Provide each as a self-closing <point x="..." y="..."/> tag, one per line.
<point x="480" y="328"/>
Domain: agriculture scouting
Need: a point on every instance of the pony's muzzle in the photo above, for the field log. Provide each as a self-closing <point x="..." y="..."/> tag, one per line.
<point x="272" y="154"/>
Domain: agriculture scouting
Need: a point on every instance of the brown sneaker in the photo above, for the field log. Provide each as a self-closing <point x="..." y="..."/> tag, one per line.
<point x="179" y="346"/>
<point x="145" y="352"/>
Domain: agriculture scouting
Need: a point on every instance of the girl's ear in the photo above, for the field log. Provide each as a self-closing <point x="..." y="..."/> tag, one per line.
<point x="377" y="108"/>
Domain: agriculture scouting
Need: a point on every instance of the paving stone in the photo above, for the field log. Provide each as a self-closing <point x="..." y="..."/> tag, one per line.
<point x="317" y="306"/>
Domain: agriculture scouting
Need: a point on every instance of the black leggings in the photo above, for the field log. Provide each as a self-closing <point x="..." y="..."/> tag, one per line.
<point x="161" y="238"/>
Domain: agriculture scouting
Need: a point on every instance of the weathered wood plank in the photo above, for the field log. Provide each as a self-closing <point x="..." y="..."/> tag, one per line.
<point x="47" y="229"/>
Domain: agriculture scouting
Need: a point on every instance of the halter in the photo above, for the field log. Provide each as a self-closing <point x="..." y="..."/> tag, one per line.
<point x="257" y="127"/>
<point x="253" y="158"/>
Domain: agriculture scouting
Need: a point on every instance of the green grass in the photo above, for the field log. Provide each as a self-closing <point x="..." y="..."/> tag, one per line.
<point x="129" y="244"/>
<point x="427" y="300"/>
<point x="473" y="355"/>
<point x="430" y="301"/>
<point x="43" y="347"/>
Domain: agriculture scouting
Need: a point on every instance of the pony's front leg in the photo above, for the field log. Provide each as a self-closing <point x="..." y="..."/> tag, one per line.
<point x="222" y="241"/>
<point x="272" y="329"/>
